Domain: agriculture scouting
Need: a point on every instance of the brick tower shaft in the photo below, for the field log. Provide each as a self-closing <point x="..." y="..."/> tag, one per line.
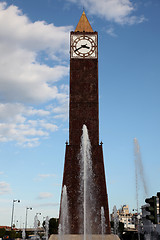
<point x="84" y="109"/>
<point x="83" y="100"/>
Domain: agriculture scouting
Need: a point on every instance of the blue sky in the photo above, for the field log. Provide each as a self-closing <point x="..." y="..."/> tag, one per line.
<point x="34" y="81"/>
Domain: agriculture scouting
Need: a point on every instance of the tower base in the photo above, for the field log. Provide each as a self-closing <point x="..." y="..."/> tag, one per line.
<point x="72" y="181"/>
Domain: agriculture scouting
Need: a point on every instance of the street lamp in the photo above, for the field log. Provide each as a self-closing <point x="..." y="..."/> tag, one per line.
<point x="14" y="200"/>
<point x="38" y="213"/>
<point x="38" y="222"/>
<point x="27" y="208"/>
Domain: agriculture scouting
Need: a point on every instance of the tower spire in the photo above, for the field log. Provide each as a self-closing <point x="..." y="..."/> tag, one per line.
<point x="83" y="24"/>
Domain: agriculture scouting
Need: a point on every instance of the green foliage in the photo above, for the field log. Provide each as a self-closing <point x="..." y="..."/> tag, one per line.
<point x="53" y="226"/>
<point x="12" y="234"/>
<point x="19" y="234"/>
<point x="2" y="232"/>
<point x="120" y="227"/>
<point x="112" y="224"/>
<point x="5" y="234"/>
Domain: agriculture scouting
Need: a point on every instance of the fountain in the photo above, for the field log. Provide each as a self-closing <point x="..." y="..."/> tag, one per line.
<point x="36" y="227"/>
<point x="64" y="226"/>
<point x="115" y="218"/>
<point x="102" y="222"/>
<point x="87" y="200"/>
<point x="86" y="182"/>
<point x="46" y="227"/>
<point x="23" y="234"/>
<point x="139" y="177"/>
<point x="139" y="170"/>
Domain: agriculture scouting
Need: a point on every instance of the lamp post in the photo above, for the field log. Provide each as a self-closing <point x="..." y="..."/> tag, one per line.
<point x="38" y="213"/>
<point x="36" y="223"/>
<point x="14" y="200"/>
<point x="37" y="218"/>
<point x="27" y="208"/>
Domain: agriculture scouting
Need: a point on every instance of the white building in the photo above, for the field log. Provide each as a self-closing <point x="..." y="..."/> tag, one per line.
<point x="126" y="217"/>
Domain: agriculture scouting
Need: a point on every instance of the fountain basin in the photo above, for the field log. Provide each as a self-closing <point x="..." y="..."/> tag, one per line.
<point x="81" y="237"/>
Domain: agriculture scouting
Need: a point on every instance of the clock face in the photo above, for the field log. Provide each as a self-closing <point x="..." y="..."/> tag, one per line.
<point x="83" y="46"/>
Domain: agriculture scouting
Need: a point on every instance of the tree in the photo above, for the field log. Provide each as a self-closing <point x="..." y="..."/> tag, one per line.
<point x="2" y="232"/>
<point x="12" y="234"/>
<point x="120" y="227"/>
<point x="53" y="226"/>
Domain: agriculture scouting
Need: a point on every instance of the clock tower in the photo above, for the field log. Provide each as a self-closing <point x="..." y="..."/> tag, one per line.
<point x="84" y="109"/>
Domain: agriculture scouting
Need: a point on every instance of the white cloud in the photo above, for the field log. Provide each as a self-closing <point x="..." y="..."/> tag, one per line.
<point x="23" y="78"/>
<point x="24" y="34"/>
<point x="16" y="112"/>
<point x="4" y="188"/>
<point x="16" y="124"/>
<point x="43" y="176"/>
<point x="45" y="195"/>
<point x="61" y="111"/>
<point x="118" y="11"/>
<point x="26" y="77"/>
<point x="111" y="32"/>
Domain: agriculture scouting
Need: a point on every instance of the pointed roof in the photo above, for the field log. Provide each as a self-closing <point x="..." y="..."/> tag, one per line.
<point x="83" y="25"/>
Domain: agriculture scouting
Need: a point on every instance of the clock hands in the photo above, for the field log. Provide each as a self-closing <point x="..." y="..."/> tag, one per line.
<point x="82" y="46"/>
<point x="85" y="46"/>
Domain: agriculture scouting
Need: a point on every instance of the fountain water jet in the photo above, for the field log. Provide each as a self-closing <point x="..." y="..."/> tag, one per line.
<point x="64" y="226"/>
<point x="139" y="168"/>
<point x="23" y="234"/>
<point x="46" y="227"/>
<point x="85" y="174"/>
<point x="115" y="218"/>
<point x="86" y="180"/>
<point x="102" y="221"/>
<point x="139" y="173"/>
<point x="35" y="227"/>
